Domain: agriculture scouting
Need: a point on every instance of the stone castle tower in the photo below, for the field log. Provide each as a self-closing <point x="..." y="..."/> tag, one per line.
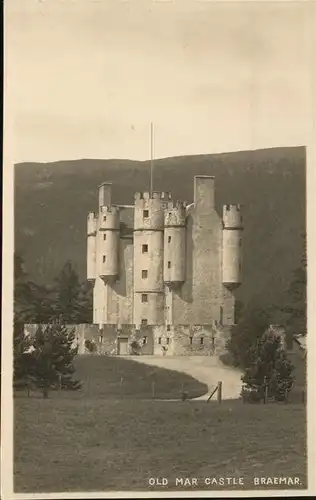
<point x="163" y="262"/>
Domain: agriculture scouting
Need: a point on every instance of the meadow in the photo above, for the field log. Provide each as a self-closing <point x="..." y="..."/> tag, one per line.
<point x="99" y="439"/>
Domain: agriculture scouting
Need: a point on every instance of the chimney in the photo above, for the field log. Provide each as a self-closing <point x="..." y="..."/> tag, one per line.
<point x="105" y="194"/>
<point x="204" y="192"/>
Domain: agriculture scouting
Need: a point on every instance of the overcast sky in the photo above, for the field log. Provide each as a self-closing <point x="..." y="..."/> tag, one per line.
<point x="86" y="77"/>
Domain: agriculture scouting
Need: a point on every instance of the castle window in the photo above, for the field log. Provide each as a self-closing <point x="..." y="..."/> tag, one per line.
<point x="168" y="328"/>
<point x="202" y="340"/>
<point x="159" y="340"/>
<point x="169" y="264"/>
<point x="101" y="339"/>
<point x="104" y="218"/>
<point x="144" y="297"/>
<point x="144" y="340"/>
<point x="191" y="340"/>
<point x="145" y="214"/>
<point x="213" y="341"/>
<point x="144" y="322"/>
<point x="168" y="340"/>
<point x="169" y="239"/>
<point x="144" y="248"/>
<point x="104" y="258"/>
<point x="144" y="274"/>
<point x="104" y="236"/>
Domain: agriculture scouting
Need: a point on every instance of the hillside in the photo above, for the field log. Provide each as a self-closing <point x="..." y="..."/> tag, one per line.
<point x="52" y="201"/>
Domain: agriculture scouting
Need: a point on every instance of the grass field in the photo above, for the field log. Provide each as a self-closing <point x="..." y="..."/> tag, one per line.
<point x="112" y="377"/>
<point x="99" y="445"/>
<point x="110" y="436"/>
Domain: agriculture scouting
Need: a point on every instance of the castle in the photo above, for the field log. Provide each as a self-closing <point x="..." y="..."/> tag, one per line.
<point x="164" y="265"/>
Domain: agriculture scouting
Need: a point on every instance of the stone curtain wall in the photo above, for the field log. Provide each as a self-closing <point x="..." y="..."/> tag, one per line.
<point x="178" y="340"/>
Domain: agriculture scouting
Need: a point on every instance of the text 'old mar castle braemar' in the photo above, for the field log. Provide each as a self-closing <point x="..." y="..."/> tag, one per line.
<point x="163" y="262"/>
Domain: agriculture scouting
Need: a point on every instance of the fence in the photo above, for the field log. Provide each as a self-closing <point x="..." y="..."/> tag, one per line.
<point x="151" y="389"/>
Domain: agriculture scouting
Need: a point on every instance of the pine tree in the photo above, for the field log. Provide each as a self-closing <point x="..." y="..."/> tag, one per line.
<point x="53" y="356"/>
<point x="23" y="313"/>
<point x="268" y="367"/>
<point x="72" y="303"/>
<point x="22" y="359"/>
<point x="32" y="303"/>
<point x="244" y="335"/>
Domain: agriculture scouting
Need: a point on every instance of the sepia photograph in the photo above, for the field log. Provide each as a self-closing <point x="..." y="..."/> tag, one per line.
<point x="157" y="154"/>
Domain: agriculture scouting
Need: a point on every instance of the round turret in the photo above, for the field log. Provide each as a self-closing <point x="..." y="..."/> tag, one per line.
<point x="149" y="210"/>
<point x="232" y="246"/>
<point x="109" y="218"/>
<point x="108" y="242"/>
<point x="91" y="246"/>
<point x="174" y="243"/>
<point x="148" y="257"/>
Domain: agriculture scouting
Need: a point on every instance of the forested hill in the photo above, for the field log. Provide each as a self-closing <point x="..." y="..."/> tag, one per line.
<point x="52" y="201"/>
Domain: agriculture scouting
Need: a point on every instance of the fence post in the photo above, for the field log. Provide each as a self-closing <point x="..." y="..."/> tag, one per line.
<point x="121" y="387"/>
<point x="219" y="392"/>
<point x="265" y="391"/>
<point x="153" y="389"/>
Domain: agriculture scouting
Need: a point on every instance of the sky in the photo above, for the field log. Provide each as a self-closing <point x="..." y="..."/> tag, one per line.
<point x="84" y="78"/>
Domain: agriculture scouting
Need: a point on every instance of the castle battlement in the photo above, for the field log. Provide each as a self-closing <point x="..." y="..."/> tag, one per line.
<point x="109" y="218"/>
<point x="175" y="214"/>
<point x="176" y="204"/>
<point x="109" y="209"/>
<point x="91" y="224"/>
<point x="156" y="195"/>
<point x="232" y="216"/>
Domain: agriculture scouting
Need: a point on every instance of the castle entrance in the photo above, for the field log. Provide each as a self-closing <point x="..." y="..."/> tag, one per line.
<point x="122" y="346"/>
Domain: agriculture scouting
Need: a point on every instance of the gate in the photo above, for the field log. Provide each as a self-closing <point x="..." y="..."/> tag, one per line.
<point x="122" y="346"/>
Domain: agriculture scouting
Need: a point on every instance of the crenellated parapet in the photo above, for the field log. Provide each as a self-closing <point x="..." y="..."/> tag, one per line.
<point x="155" y="195"/>
<point x="149" y="211"/>
<point x="175" y="214"/>
<point x="232" y="217"/>
<point x="109" y="219"/>
<point x="92" y="220"/>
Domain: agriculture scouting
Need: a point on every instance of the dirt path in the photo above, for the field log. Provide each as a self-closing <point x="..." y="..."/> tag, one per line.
<point x="207" y="369"/>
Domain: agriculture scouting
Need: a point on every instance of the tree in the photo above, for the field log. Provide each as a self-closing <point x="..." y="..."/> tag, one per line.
<point x="22" y="360"/>
<point x="52" y="358"/>
<point x="269" y="368"/>
<point x="73" y="300"/>
<point x="86" y="303"/>
<point x="32" y="303"/>
<point x="296" y="308"/>
<point x="244" y="335"/>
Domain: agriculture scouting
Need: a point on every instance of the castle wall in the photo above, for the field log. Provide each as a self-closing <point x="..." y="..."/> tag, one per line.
<point x="227" y="308"/>
<point x="184" y="340"/>
<point x="99" y="301"/>
<point x="120" y="293"/>
<point x="198" y="301"/>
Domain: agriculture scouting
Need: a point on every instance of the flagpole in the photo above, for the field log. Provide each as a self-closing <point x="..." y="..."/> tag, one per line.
<point x="151" y="157"/>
